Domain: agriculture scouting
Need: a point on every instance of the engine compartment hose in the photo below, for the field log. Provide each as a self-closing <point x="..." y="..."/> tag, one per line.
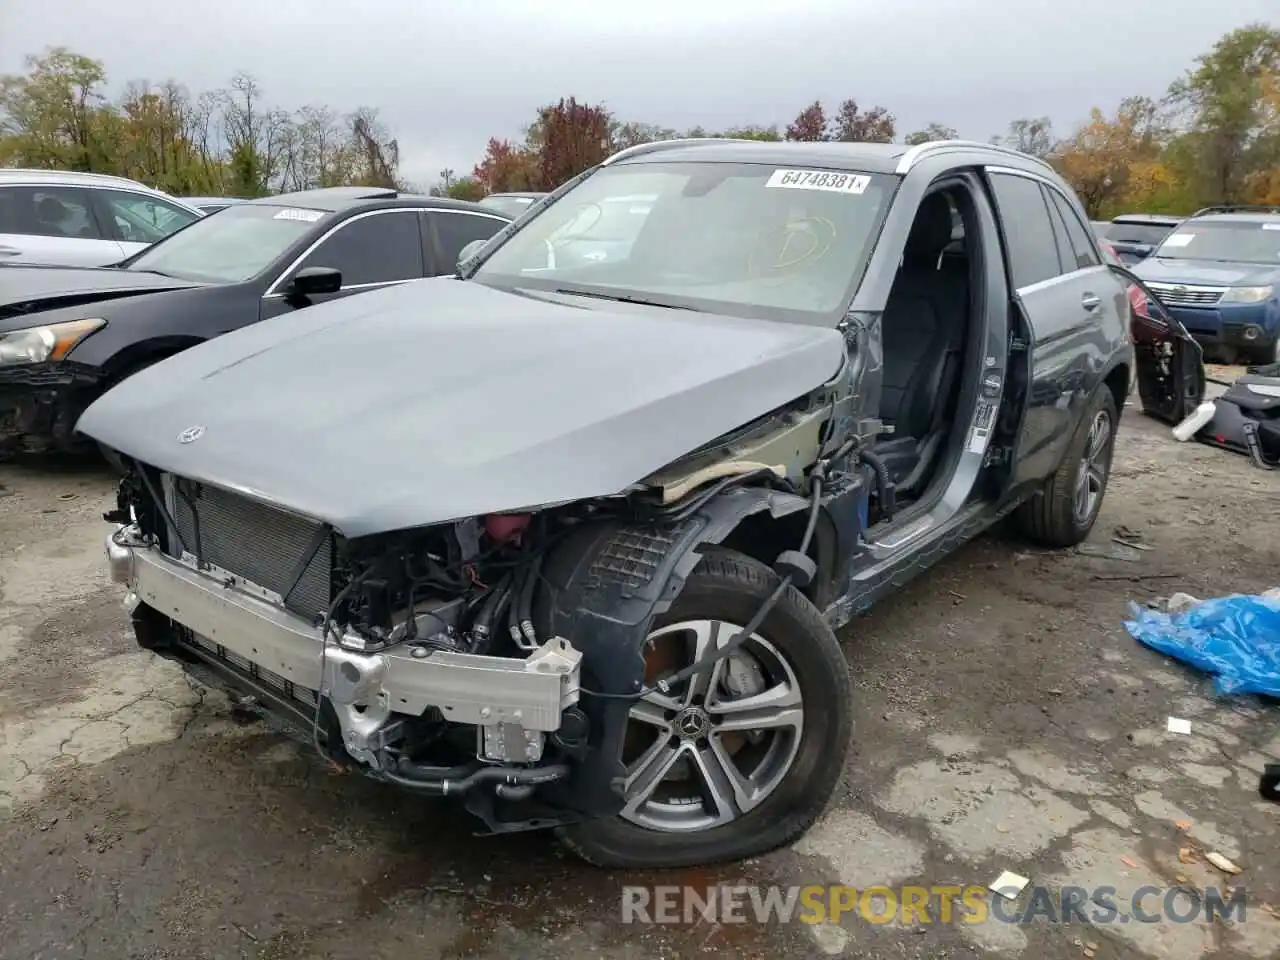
<point x="525" y="616"/>
<point x="455" y="780"/>
<point x="513" y="607"/>
<point x="491" y="612"/>
<point x="884" y="483"/>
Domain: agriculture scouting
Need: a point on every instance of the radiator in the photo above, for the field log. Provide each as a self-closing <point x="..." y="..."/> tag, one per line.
<point x="259" y="543"/>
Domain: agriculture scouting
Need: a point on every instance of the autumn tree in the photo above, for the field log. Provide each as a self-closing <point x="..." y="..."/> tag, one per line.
<point x="568" y="138"/>
<point x="55" y="115"/>
<point x="864" y="126"/>
<point x="934" y="131"/>
<point x="1033" y="136"/>
<point x="1113" y="158"/>
<point x="228" y="141"/>
<point x="1223" y="106"/>
<point x="466" y="188"/>
<point x="810" y="123"/>
<point x="632" y="134"/>
<point x="506" y="167"/>
<point x="1263" y="185"/>
<point x="850" y="123"/>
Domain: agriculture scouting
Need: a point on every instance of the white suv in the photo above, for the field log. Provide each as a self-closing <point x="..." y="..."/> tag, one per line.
<point x="82" y="219"/>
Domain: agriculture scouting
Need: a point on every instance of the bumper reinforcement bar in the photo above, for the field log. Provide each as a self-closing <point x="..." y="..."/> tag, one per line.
<point x="466" y="688"/>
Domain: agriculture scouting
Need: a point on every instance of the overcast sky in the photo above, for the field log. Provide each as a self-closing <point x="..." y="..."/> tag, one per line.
<point x="448" y="75"/>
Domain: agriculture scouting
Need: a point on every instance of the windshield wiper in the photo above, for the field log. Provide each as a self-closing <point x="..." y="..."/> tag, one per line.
<point x="620" y="298"/>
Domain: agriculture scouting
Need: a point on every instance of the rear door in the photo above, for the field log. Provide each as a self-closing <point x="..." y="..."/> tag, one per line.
<point x="448" y="231"/>
<point x="1075" y="309"/>
<point x="53" y="224"/>
<point x="372" y="250"/>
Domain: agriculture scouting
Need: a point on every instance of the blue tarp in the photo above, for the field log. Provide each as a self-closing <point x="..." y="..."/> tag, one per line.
<point x="1235" y="638"/>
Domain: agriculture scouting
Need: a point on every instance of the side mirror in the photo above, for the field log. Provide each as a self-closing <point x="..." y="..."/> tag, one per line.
<point x="310" y="281"/>
<point x="469" y="251"/>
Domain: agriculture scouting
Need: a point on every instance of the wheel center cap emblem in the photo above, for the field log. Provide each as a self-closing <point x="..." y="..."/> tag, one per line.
<point x="191" y="434"/>
<point x="692" y="724"/>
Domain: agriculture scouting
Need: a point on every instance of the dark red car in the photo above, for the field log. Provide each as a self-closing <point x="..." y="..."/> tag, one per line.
<point x="1136" y="296"/>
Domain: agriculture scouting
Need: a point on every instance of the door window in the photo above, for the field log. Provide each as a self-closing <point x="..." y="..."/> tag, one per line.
<point x="455" y="230"/>
<point x="140" y="218"/>
<point x="1078" y="252"/>
<point x="1033" y="251"/>
<point x="62" y="212"/>
<point x="379" y="247"/>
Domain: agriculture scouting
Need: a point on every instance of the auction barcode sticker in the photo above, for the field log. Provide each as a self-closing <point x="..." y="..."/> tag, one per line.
<point x="306" y="216"/>
<point x="1179" y="239"/>
<point x="819" y="180"/>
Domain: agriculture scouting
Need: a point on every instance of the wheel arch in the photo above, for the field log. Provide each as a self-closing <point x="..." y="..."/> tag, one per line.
<point x="131" y="358"/>
<point x="1119" y="380"/>
<point x="602" y="588"/>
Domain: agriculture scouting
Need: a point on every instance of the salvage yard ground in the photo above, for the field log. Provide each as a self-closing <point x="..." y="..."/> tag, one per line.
<point x="1005" y="720"/>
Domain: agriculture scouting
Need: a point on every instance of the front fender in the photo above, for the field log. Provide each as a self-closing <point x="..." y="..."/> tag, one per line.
<point x="602" y="589"/>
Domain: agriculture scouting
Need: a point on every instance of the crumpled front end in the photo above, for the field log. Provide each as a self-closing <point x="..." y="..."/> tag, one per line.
<point x="40" y="403"/>
<point x="384" y="653"/>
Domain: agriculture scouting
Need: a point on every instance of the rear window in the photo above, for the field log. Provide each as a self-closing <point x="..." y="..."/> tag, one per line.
<point x="1137" y="232"/>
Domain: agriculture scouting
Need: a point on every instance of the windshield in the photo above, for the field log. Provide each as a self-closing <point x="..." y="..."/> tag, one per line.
<point x="738" y="238"/>
<point x="239" y="243"/>
<point x="1235" y="241"/>
<point x="1147" y="233"/>
<point x="511" y="206"/>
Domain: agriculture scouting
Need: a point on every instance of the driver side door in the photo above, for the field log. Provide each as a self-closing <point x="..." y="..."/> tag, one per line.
<point x="138" y="220"/>
<point x="371" y="250"/>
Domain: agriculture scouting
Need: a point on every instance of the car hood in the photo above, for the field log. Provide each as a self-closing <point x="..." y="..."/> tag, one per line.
<point x="1166" y="270"/>
<point x="443" y="399"/>
<point x="27" y="290"/>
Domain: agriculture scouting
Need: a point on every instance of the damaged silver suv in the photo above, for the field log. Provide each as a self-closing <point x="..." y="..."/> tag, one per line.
<point x="568" y="535"/>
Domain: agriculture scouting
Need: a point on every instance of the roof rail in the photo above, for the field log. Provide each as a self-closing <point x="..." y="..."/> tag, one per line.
<point x="87" y="174"/>
<point x="1235" y="208"/>
<point x="920" y="150"/>
<point x="654" y="146"/>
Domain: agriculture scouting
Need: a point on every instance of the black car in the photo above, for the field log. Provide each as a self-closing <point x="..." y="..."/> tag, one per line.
<point x="1135" y="235"/>
<point x="68" y="334"/>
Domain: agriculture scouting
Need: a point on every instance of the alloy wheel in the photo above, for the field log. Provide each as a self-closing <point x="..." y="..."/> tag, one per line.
<point x="1091" y="481"/>
<point x="721" y="742"/>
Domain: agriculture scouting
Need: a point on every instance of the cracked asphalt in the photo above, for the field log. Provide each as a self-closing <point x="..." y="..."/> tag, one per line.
<point x="1004" y="721"/>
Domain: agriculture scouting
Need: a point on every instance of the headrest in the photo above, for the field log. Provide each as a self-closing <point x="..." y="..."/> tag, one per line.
<point x="51" y="210"/>
<point x="930" y="232"/>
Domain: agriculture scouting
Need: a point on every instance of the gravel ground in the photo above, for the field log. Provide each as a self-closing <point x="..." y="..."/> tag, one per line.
<point x="1005" y="720"/>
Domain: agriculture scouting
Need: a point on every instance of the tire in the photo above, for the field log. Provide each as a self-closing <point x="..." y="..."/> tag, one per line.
<point x="1267" y="355"/>
<point x="730" y="587"/>
<point x="1052" y="518"/>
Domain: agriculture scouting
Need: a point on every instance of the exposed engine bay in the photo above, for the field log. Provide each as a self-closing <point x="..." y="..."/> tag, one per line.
<point x="454" y="655"/>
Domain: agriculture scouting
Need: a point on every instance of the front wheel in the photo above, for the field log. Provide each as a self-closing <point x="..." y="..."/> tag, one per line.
<point x="1063" y="514"/>
<point x="743" y="757"/>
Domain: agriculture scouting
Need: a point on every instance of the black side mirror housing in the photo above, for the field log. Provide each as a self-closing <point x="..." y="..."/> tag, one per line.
<point x="310" y="281"/>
